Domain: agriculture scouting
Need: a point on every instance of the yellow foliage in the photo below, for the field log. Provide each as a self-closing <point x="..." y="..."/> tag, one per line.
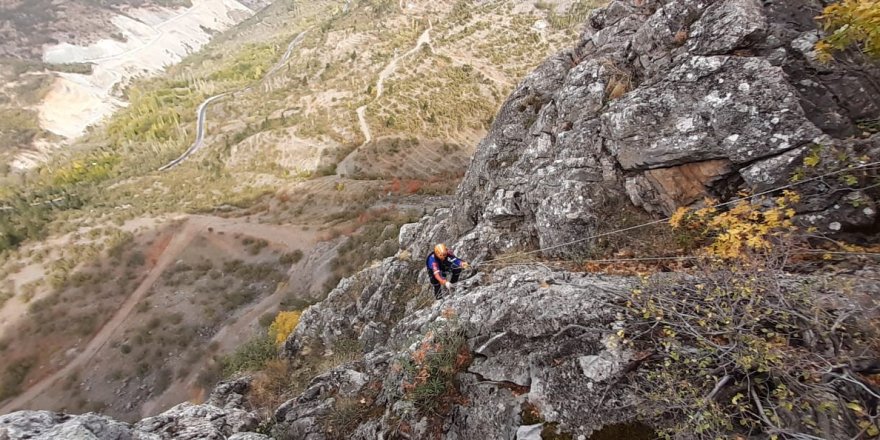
<point x="92" y="168"/>
<point x="744" y="228"/>
<point x="284" y="325"/>
<point x="850" y="23"/>
<point x="676" y="220"/>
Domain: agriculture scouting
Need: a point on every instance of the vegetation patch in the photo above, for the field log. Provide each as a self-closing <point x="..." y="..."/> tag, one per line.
<point x="283" y="325"/>
<point x="249" y="64"/>
<point x="429" y="371"/>
<point x="743" y="349"/>
<point x="14" y="375"/>
<point x="349" y="412"/>
<point x="251" y="356"/>
<point x="850" y="23"/>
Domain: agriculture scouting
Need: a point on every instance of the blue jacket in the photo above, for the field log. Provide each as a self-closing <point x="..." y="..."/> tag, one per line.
<point x="436" y="266"/>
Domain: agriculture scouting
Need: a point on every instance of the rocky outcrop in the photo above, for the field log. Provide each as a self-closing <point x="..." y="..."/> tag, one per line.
<point x="221" y="417"/>
<point x="538" y="337"/>
<point x="661" y="104"/>
<point x="664" y="103"/>
<point x="50" y="425"/>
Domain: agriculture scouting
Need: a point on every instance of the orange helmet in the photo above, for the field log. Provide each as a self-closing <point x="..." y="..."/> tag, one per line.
<point x="440" y="251"/>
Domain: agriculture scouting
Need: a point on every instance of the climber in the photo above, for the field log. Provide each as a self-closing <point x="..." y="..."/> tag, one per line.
<point x="440" y="263"/>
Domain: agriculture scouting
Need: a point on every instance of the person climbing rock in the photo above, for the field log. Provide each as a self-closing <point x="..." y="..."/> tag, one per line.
<point x="440" y="263"/>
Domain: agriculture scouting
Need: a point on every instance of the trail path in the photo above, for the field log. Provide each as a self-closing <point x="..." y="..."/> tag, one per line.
<point x="424" y="38"/>
<point x="202" y="111"/>
<point x="242" y="326"/>
<point x="289" y="236"/>
<point x="175" y="246"/>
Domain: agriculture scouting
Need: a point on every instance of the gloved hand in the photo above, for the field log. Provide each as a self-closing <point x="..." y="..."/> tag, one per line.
<point x="448" y="286"/>
<point x="465" y="265"/>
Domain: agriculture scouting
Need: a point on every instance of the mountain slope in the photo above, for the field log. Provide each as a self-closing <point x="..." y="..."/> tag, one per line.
<point x="638" y="114"/>
<point x="65" y="62"/>
<point x="186" y="241"/>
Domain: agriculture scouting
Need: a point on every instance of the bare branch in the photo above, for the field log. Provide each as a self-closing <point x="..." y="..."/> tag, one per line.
<point x="721" y="383"/>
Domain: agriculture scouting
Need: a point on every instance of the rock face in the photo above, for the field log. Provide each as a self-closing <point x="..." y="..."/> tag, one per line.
<point x="661" y="104"/>
<point x="222" y="417"/>
<point x="664" y="103"/>
<point x="538" y="337"/>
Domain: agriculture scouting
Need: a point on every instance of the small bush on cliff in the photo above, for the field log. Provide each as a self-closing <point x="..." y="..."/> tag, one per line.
<point x="744" y="349"/>
<point x="271" y="386"/>
<point x="283" y="326"/>
<point x="851" y="23"/>
<point x="429" y="371"/>
<point x="746" y="229"/>
<point x="251" y="356"/>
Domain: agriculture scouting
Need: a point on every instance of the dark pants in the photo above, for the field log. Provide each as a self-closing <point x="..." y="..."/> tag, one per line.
<point x="438" y="289"/>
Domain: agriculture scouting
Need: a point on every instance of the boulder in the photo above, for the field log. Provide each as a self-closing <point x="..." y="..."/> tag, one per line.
<point x="47" y="425"/>
<point x="221" y="417"/>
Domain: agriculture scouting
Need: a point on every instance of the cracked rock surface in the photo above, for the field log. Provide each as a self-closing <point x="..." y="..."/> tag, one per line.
<point x="221" y="417"/>
<point x="660" y="104"/>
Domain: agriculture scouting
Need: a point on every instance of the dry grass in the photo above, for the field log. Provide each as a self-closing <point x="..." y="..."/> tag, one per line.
<point x="271" y="386"/>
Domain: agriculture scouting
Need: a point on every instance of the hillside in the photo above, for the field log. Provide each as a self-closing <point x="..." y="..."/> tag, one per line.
<point x="65" y="63"/>
<point x="298" y="177"/>
<point x="673" y="224"/>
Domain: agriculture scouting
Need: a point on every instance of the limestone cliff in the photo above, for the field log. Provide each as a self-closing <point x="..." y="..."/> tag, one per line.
<point x="662" y="103"/>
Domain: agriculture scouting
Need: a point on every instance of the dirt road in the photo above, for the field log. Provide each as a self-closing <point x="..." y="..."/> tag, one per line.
<point x="175" y="246"/>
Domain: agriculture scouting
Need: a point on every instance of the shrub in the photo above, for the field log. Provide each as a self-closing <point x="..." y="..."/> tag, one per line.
<point x="850" y="23"/>
<point x="283" y="326"/>
<point x="429" y="371"/>
<point x="271" y="385"/>
<point x="251" y="356"/>
<point x="290" y="258"/>
<point x="5" y="296"/>
<point x="266" y="319"/>
<point x="14" y="375"/>
<point x="347" y="414"/>
<point x="744" y="230"/>
<point x="163" y="380"/>
<point x="742" y="349"/>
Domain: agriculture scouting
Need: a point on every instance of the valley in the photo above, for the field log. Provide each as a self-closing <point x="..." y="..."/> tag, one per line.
<point x="64" y="82"/>
<point x="245" y="180"/>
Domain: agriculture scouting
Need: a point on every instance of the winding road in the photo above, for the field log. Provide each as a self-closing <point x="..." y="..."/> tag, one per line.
<point x="202" y="111"/>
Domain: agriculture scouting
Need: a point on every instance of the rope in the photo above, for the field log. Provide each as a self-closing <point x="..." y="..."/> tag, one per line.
<point x="666" y="219"/>
<point x="675" y="258"/>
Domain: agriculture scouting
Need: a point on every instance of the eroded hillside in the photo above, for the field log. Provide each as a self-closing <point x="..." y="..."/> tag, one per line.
<point x="64" y="64"/>
<point x="327" y="125"/>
